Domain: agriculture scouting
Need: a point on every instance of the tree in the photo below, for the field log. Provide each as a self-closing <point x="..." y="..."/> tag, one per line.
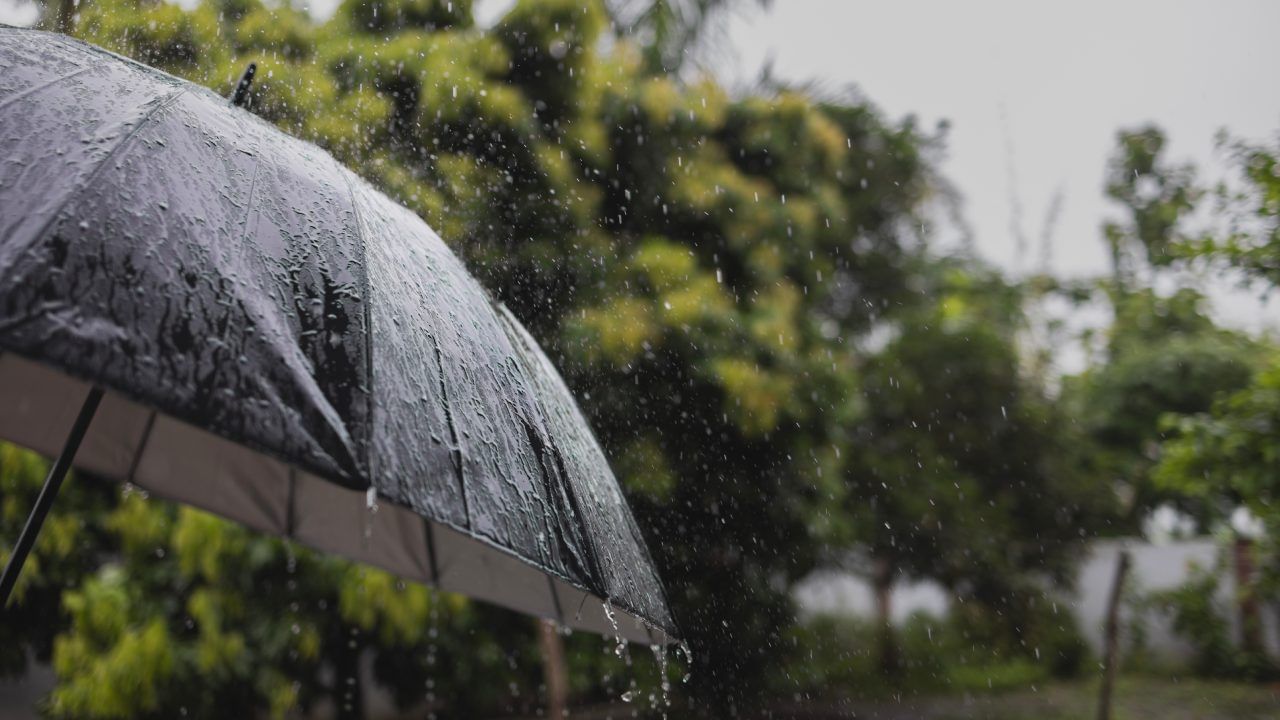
<point x="1163" y="355"/>
<point x="689" y="259"/>
<point x="73" y="542"/>
<point x="670" y="30"/>
<point x="1155" y="194"/>
<point x="1225" y="456"/>
<point x="1225" y="459"/>
<point x="1162" y="352"/>
<point x="963" y="469"/>
<point x="1250" y="240"/>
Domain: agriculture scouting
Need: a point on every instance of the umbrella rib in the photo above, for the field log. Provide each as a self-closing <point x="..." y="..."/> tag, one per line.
<point x="142" y="446"/>
<point x="517" y="336"/>
<point x="362" y="238"/>
<point x="430" y="534"/>
<point x="44" y="86"/>
<point x="555" y="598"/>
<point x="456" y="453"/>
<point x="40" y="236"/>
<point x="248" y="201"/>
<point x="566" y="488"/>
<point x="638" y="536"/>
<point x="585" y="595"/>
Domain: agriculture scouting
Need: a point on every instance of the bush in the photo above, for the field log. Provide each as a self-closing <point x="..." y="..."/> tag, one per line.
<point x="1198" y="617"/>
<point x="972" y="649"/>
<point x="1032" y="628"/>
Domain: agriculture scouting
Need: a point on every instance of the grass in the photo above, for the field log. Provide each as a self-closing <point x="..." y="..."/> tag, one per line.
<point x="1135" y="698"/>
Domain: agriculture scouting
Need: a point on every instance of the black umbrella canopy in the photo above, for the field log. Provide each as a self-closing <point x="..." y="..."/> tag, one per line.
<point x="283" y="345"/>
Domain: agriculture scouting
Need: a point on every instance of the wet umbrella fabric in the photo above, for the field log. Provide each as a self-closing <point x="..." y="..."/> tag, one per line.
<point x="281" y="344"/>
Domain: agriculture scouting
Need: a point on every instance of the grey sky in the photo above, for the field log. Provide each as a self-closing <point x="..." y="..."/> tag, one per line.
<point x="1036" y="90"/>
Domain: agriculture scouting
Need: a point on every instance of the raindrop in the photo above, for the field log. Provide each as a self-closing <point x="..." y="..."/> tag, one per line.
<point x="371" y="509"/>
<point x="660" y="654"/>
<point x="688" y="659"/>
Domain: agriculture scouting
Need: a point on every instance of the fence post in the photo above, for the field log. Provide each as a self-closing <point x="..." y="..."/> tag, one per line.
<point x="1247" y="597"/>
<point x="554" y="670"/>
<point x="1111" y="634"/>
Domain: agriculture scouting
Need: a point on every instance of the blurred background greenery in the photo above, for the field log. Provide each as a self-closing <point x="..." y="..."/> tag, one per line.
<point x="784" y="372"/>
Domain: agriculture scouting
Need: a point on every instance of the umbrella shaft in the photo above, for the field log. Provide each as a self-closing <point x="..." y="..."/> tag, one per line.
<point x="50" y="490"/>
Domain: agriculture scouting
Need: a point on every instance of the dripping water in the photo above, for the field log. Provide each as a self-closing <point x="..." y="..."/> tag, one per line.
<point x="370" y="510"/>
<point x="683" y="648"/>
<point x="433" y="633"/>
<point x="620" y="650"/>
<point x="664" y="682"/>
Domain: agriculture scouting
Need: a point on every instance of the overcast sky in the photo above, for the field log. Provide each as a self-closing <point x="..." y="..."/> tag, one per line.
<point x="1035" y="91"/>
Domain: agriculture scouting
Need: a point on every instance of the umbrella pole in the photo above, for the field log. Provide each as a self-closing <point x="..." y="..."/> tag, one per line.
<point x="47" y="494"/>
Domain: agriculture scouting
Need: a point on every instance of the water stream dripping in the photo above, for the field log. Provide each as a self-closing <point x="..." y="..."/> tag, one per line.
<point x="683" y="648"/>
<point x="370" y="510"/>
<point x="619" y="644"/>
<point x="433" y="633"/>
<point x="664" y="682"/>
<point x="620" y="649"/>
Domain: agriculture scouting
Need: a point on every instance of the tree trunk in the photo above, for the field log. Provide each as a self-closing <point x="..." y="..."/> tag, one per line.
<point x="1250" y="612"/>
<point x="887" y="645"/>
<point x="1110" y="639"/>
<point x="66" y="16"/>
<point x="554" y="670"/>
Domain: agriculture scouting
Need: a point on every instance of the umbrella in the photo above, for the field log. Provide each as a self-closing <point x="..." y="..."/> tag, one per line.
<point x="199" y="304"/>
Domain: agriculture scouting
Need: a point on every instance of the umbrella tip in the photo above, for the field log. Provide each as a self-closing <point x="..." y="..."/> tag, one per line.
<point x="241" y="95"/>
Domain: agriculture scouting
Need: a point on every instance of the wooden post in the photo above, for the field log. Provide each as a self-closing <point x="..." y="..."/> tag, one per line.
<point x="1110" y="638"/>
<point x="887" y="646"/>
<point x="554" y="671"/>
<point x="1247" y="597"/>
<point x="66" y="20"/>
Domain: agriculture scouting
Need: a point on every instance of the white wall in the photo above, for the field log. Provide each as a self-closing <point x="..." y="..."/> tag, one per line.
<point x="1155" y="567"/>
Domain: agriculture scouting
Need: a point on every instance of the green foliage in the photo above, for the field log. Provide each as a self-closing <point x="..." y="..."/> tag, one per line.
<point x="1228" y="455"/>
<point x="832" y="653"/>
<point x="1156" y="194"/>
<point x="70" y="546"/>
<point x="1250" y="240"/>
<point x="1045" y="636"/>
<point x="1193" y="608"/>
<point x="202" y="617"/>
<point x="670" y="30"/>
<point x="953" y="654"/>
<point x="1197" y="615"/>
<point x="1162" y="353"/>
<point x="1164" y="356"/>
<point x="963" y="470"/>
<point x="116" y="664"/>
<point x="400" y="15"/>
